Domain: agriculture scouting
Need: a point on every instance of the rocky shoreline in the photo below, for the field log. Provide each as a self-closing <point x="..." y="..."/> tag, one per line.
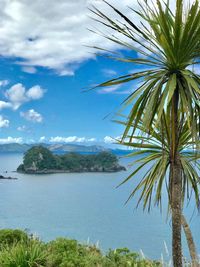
<point x="54" y="171"/>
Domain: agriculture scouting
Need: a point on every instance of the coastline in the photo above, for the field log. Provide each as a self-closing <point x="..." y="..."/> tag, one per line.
<point x="67" y="171"/>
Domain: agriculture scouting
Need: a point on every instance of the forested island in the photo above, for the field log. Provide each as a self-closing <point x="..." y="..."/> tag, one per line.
<point x="40" y="160"/>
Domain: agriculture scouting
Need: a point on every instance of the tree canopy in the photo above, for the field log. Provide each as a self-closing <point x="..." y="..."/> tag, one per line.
<point x="39" y="159"/>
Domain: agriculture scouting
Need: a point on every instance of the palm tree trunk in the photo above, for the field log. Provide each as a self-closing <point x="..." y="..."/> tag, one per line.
<point x="176" y="185"/>
<point x="176" y="216"/>
<point x="190" y="242"/>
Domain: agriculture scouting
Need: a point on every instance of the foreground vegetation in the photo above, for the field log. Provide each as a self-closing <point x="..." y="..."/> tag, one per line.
<point x="39" y="159"/>
<point x="18" y="249"/>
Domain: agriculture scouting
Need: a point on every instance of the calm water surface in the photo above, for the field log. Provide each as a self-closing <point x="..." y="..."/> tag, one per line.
<point x="84" y="206"/>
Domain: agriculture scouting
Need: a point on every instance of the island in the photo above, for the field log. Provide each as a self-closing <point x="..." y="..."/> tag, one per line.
<point x="40" y="160"/>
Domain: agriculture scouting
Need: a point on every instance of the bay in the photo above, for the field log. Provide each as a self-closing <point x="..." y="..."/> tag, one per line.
<point x="86" y="207"/>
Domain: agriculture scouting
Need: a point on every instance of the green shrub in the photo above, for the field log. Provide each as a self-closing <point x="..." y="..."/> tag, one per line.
<point x="10" y="236"/>
<point x="123" y="257"/>
<point x="29" y="254"/>
<point x="20" y="250"/>
<point x="69" y="253"/>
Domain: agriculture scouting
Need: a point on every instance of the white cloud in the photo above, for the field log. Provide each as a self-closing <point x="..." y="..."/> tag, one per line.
<point x="71" y="139"/>
<point x="3" y="122"/>
<point x="66" y="72"/>
<point x="91" y="140"/>
<point x="17" y="95"/>
<point x="110" y="89"/>
<point x="109" y="72"/>
<point x="30" y="141"/>
<point x="3" y="83"/>
<point x="4" y="104"/>
<point x="35" y="92"/>
<point x="29" y="69"/>
<point x="32" y="115"/>
<point x="10" y="140"/>
<point x="51" y="33"/>
<point x="42" y="139"/>
<point x="108" y="140"/>
<point x="23" y="128"/>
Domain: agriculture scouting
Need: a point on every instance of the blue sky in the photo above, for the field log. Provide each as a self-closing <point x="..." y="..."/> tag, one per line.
<point x="66" y="109"/>
<point x="44" y="69"/>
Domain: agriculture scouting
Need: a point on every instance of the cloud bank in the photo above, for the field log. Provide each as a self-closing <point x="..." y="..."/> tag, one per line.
<point x="71" y="139"/>
<point x="51" y="34"/>
<point x="10" y="140"/>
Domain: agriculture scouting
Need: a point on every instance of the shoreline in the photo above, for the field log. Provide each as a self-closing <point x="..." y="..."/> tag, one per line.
<point x="63" y="171"/>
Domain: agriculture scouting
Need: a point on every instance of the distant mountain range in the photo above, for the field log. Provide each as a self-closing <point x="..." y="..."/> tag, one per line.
<point x="21" y="148"/>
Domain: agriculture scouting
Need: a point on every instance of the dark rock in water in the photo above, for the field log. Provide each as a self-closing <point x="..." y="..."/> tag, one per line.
<point x="7" y="178"/>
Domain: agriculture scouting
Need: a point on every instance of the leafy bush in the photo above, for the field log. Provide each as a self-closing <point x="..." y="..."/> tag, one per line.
<point x="10" y="236"/>
<point x="18" y="250"/>
<point x="31" y="254"/>
<point x="69" y="253"/>
<point x="123" y="257"/>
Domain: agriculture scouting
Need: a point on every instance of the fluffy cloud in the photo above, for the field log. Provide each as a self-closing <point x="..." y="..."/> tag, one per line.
<point x="32" y="115"/>
<point x="3" y="122"/>
<point x="10" y="140"/>
<point x="17" y="95"/>
<point x="29" y="69"/>
<point x="4" y="83"/>
<point x="71" y="139"/>
<point x="35" y="92"/>
<point x="4" y="104"/>
<point x="52" y="37"/>
<point x="42" y="139"/>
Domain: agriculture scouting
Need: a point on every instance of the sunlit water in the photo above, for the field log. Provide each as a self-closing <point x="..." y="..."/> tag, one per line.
<point x="85" y="206"/>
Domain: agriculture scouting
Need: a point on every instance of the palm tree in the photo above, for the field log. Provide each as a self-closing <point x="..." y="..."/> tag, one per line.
<point x="169" y="43"/>
<point x="154" y="153"/>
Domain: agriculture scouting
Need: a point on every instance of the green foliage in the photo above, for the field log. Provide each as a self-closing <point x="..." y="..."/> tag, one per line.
<point x="64" y="252"/>
<point x="39" y="158"/>
<point x="154" y="154"/>
<point x="10" y="236"/>
<point x="29" y="254"/>
<point x="77" y="162"/>
<point x="21" y="168"/>
<point x="123" y="257"/>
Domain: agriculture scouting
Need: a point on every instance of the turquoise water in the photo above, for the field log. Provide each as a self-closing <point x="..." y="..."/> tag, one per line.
<point x="84" y="207"/>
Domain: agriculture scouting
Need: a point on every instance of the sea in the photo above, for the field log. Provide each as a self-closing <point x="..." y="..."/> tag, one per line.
<point x="88" y="207"/>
